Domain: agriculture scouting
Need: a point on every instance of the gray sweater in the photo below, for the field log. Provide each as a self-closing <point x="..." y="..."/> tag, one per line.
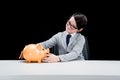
<point x="66" y="53"/>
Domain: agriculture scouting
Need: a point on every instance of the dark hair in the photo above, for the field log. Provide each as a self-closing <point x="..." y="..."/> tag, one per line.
<point x="81" y="20"/>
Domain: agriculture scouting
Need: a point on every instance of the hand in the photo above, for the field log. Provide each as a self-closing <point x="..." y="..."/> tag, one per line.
<point x="51" y="58"/>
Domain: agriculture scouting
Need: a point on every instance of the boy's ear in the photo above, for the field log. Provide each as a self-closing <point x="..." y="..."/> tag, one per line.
<point x="80" y="30"/>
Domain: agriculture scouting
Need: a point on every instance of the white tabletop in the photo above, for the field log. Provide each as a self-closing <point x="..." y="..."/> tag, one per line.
<point x="94" y="68"/>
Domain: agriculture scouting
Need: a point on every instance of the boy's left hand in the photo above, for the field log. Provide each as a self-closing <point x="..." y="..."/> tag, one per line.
<point x="51" y="58"/>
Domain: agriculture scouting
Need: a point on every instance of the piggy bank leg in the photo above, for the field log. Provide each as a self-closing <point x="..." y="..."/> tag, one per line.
<point x="27" y="61"/>
<point x="39" y="61"/>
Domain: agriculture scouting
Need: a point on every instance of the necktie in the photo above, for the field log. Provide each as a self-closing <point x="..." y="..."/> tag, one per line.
<point x="68" y="39"/>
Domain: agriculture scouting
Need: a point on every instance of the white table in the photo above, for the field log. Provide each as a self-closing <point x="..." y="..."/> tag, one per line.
<point x="74" y="70"/>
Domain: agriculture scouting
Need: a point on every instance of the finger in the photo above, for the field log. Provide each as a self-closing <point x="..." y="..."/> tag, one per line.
<point x="49" y="61"/>
<point x="44" y="60"/>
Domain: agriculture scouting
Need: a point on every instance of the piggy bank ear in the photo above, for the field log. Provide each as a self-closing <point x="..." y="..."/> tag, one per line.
<point x="39" y="47"/>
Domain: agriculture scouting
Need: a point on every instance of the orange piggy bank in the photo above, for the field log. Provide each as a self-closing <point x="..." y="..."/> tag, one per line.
<point x="34" y="53"/>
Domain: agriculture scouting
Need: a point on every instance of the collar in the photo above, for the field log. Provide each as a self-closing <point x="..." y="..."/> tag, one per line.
<point x="70" y="34"/>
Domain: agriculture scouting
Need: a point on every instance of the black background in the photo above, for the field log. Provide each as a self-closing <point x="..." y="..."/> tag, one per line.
<point x="23" y="23"/>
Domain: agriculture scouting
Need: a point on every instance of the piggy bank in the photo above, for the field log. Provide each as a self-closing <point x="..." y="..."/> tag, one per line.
<point x="34" y="53"/>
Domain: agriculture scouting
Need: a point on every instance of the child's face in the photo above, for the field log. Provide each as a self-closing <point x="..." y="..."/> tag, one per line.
<point x="71" y="26"/>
